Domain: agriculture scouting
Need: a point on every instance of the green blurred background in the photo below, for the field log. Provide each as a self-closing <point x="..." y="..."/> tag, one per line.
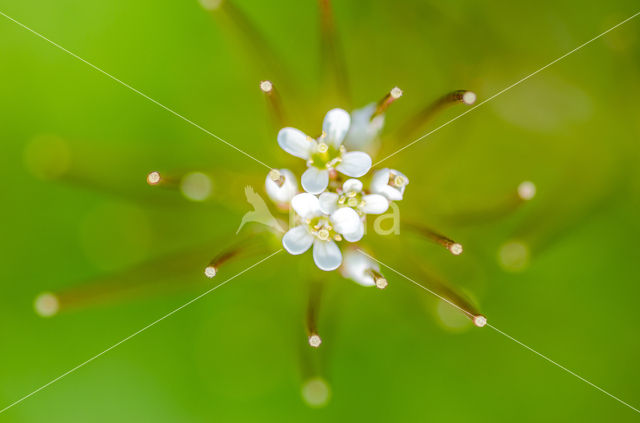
<point x="239" y="354"/>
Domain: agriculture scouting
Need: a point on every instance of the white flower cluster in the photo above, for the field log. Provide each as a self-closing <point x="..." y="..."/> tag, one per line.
<point x="331" y="211"/>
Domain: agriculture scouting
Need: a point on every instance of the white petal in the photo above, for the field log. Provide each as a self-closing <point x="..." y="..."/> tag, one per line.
<point x="295" y="142"/>
<point x="355" y="164"/>
<point x="363" y="130"/>
<point x="336" y="125"/>
<point x="326" y="254"/>
<point x="284" y="193"/>
<point x="379" y="180"/>
<point x="297" y="240"/>
<point x="352" y="185"/>
<point x="374" y="204"/>
<point x="345" y="220"/>
<point x="392" y="193"/>
<point x="315" y="180"/>
<point x="356" y="235"/>
<point x="306" y="205"/>
<point x="380" y="184"/>
<point x="328" y="202"/>
<point x="355" y="268"/>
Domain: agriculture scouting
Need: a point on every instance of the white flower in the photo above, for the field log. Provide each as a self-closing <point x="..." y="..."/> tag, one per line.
<point x="281" y="185"/>
<point x="319" y="229"/>
<point x="325" y="154"/>
<point x="351" y="196"/>
<point x="364" y="130"/>
<point x="390" y="183"/>
<point x="361" y="269"/>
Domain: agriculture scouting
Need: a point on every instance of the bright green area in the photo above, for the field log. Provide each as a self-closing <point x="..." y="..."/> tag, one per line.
<point x="235" y="355"/>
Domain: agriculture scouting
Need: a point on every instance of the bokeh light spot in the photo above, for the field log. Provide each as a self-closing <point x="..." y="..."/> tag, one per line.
<point x="450" y="318"/>
<point x="316" y="392"/>
<point x="514" y="256"/>
<point x="196" y="186"/>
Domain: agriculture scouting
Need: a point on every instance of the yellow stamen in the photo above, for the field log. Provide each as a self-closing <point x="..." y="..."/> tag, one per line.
<point x="322" y="147"/>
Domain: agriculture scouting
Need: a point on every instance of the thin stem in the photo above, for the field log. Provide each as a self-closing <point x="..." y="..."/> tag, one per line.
<point x="236" y="250"/>
<point x="451" y="245"/>
<point x="332" y="57"/>
<point x="274" y="104"/>
<point x="156" y="178"/>
<point x="431" y="110"/>
<point x="260" y="50"/>
<point x="379" y="280"/>
<point x="511" y="202"/>
<point x="386" y="101"/>
<point x="169" y="272"/>
<point x="315" y="294"/>
<point x="448" y="293"/>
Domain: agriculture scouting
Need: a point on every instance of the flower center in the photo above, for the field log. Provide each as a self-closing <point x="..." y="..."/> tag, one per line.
<point x="326" y="156"/>
<point x="351" y="199"/>
<point x="397" y="181"/>
<point x="323" y="234"/>
<point x="320" y="227"/>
